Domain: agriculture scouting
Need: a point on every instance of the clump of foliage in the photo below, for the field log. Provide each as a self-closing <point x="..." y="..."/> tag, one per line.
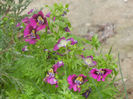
<point x="10" y="14"/>
<point x="48" y="62"/>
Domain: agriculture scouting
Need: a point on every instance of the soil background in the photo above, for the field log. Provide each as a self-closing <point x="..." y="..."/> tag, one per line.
<point x="86" y="13"/>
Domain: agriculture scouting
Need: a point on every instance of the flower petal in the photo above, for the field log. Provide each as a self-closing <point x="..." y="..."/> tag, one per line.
<point x="107" y="72"/>
<point x="71" y="78"/>
<point x="75" y="87"/>
<point x="52" y="81"/>
<point x="93" y="73"/>
<point x="26" y="20"/>
<point x="56" y="46"/>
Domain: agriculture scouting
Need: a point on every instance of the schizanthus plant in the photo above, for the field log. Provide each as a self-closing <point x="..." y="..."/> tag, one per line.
<point x="39" y="22"/>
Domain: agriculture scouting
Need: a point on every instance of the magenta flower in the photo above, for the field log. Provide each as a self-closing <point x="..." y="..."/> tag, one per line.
<point x="48" y="14"/>
<point x="62" y="42"/>
<point x="26" y="20"/>
<point x="40" y="20"/>
<point x="30" y="34"/>
<point x="89" y="61"/>
<point x="75" y="81"/>
<point x="25" y="48"/>
<point x="50" y="78"/>
<point x="30" y="11"/>
<point x="100" y="75"/>
<point x="57" y="65"/>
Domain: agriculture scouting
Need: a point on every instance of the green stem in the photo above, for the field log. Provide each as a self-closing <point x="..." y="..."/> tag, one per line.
<point x="122" y="76"/>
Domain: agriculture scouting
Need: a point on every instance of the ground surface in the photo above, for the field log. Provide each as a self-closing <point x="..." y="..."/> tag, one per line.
<point x="84" y="13"/>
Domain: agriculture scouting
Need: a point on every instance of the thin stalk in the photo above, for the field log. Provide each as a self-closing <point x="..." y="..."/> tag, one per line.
<point x="125" y="90"/>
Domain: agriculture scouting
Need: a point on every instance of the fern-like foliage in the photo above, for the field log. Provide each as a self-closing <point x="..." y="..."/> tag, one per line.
<point x="10" y="15"/>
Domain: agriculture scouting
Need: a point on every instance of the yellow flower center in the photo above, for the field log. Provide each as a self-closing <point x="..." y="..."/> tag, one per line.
<point x="100" y="73"/>
<point x="79" y="80"/>
<point x="40" y="20"/>
<point x="33" y="34"/>
<point x="51" y="71"/>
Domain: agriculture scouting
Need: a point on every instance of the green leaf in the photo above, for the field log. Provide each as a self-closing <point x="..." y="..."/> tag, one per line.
<point x="67" y="5"/>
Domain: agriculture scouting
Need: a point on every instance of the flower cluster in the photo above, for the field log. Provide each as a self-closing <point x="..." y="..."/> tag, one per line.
<point x="75" y="81"/>
<point x="38" y="22"/>
<point x="34" y="24"/>
<point x="50" y="77"/>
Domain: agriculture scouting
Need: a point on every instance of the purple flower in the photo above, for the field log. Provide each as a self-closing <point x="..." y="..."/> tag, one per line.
<point x="60" y="54"/>
<point x="66" y="29"/>
<point x="30" y="34"/>
<point x="89" y="61"/>
<point x="48" y="14"/>
<point x="30" y="11"/>
<point x="64" y="13"/>
<point x="57" y="65"/>
<point x="40" y="20"/>
<point x="45" y="49"/>
<point x="62" y="42"/>
<point x="86" y="93"/>
<point x="50" y="78"/>
<point x="25" y="48"/>
<point x="54" y="18"/>
<point x="72" y="41"/>
<point x="101" y="74"/>
<point x="84" y="49"/>
<point x="18" y="25"/>
<point x="75" y="81"/>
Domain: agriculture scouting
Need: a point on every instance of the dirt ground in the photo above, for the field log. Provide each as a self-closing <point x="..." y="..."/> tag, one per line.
<point x="85" y="13"/>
